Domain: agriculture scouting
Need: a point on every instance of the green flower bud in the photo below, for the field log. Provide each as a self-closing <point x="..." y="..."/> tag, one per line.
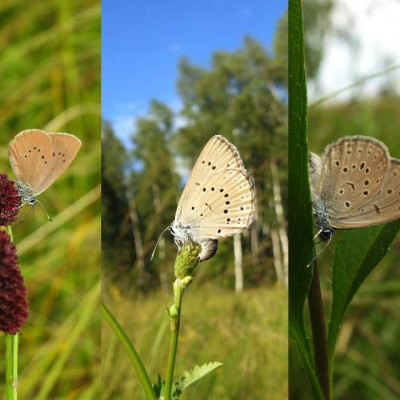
<point x="187" y="260"/>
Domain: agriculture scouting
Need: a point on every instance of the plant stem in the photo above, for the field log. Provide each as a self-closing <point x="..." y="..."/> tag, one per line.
<point x="11" y="354"/>
<point x="174" y="323"/>
<point x="11" y="366"/>
<point x="316" y="309"/>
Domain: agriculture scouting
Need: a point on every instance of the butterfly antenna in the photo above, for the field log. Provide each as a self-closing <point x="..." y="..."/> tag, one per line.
<point x="41" y="205"/>
<point x="158" y="241"/>
<point x="320" y="252"/>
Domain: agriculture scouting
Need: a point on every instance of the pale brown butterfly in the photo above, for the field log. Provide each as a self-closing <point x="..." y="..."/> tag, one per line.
<point x="38" y="159"/>
<point x="355" y="184"/>
<point x="218" y="199"/>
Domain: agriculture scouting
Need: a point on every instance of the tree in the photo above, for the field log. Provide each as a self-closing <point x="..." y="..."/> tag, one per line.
<point x="116" y="231"/>
<point x="241" y="97"/>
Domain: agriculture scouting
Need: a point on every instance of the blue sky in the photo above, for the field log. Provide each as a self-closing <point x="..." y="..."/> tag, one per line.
<point x="142" y="42"/>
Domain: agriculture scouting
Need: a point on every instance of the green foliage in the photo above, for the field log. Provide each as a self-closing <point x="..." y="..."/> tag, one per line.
<point x="50" y="68"/>
<point x="357" y="254"/>
<point x="300" y="215"/>
<point x="130" y="350"/>
<point x="215" y="324"/>
<point x="361" y="338"/>
<point x="116" y="237"/>
<point x="196" y="373"/>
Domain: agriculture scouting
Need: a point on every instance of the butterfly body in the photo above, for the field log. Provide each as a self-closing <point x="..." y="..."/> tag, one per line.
<point x="321" y="217"/>
<point x="25" y="193"/>
<point x="218" y="199"/>
<point x="354" y="184"/>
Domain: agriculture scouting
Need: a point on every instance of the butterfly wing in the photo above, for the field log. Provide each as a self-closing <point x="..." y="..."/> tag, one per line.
<point x="38" y="158"/>
<point x="218" y="199"/>
<point x="315" y="168"/>
<point x="30" y="151"/>
<point x="65" y="147"/>
<point x="353" y="173"/>
<point x="383" y="207"/>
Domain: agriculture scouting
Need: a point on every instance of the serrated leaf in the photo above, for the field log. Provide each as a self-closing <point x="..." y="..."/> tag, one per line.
<point x="300" y="213"/>
<point x="194" y="375"/>
<point x="357" y="254"/>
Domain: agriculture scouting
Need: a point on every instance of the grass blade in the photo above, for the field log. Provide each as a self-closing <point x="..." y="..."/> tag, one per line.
<point x="133" y="355"/>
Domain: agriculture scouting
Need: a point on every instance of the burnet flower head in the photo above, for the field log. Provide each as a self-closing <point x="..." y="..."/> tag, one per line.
<point x="10" y="202"/>
<point x="13" y="301"/>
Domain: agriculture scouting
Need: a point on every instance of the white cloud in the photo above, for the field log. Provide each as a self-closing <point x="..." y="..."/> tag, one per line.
<point x="374" y="29"/>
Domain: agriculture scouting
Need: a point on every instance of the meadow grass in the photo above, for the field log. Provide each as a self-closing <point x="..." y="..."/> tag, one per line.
<point x="246" y="332"/>
<point x="51" y="68"/>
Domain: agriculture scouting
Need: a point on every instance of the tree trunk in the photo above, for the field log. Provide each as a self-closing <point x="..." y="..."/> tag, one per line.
<point x="161" y="243"/>
<point x="137" y="237"/>
<point x="237" y="247"/>
<point x="282" y="234"/>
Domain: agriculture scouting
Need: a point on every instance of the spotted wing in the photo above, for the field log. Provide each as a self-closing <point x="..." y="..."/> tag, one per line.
<point x="38" y="158"/>
<point x="383" y="207"/>
<point x="219" y="196"/>
<point x="353" y="173"/>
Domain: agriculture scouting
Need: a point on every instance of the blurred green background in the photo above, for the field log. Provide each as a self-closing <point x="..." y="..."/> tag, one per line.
<point x="50" y="69"/>
<point x="240" y="322"/>
<point x="367" y="362"/>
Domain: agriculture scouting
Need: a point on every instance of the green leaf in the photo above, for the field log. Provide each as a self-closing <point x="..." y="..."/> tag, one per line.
<point x="300" y="213"/>
<point x="159" y="387"/>
<point x="194" y="375"/>
<point x="132" y="353"/>
<point x="357" y="254"/>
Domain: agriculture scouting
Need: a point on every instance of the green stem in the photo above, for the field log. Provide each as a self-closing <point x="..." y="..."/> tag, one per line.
<point x="9" y="231"/>
<point x="11" y="354"/>
<point x="174" y="323"/>
<point x="11" y="366"/>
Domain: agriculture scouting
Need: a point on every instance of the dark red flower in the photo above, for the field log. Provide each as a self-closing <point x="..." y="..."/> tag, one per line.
<point x="13" y="302"/>
<point x="9" y="201"/>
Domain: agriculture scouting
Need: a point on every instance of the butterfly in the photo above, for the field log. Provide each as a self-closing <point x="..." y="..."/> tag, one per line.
<point x="38" y="159"/>
<point x="218" y="199"/>
<point x="355" y="184"/>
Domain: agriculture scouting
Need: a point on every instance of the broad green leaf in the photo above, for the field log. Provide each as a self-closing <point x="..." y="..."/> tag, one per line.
<point x="300" y="214"/>
<point x="357" y="254"/>
<point x="194" y="375"/>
